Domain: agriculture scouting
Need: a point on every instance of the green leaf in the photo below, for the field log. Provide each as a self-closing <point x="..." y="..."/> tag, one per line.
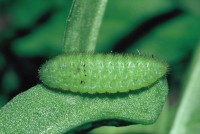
<point x="191" y="6"/>
<point x="159" y="127"/>
<point x="171" y="41"/>
<point x="25" y="13"/>
<point x="43" y="110"/>
<point x="46" y="39"/>
<point x="187" y="118"/>
<point x="121" y="17"/>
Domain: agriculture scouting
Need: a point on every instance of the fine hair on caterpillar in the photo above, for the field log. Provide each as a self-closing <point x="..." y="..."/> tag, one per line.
<point x="101" y="73"/>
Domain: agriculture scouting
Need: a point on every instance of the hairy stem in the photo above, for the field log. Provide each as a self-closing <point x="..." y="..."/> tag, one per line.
<point x="83" y="25"/>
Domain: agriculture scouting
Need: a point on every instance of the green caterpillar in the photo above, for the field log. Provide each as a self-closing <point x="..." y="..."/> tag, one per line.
<point x="101" y="73"/>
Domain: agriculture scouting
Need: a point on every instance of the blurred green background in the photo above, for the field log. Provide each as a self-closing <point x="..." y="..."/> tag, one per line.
<point x="32" y="31"/>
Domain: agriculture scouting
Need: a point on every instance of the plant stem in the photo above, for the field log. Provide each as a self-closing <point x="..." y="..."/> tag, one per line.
<point x="83" y="25"/>
<point x="187" y="118"/>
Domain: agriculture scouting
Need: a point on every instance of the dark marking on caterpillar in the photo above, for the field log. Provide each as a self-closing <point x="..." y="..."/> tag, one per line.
<point x="82" y="82"/>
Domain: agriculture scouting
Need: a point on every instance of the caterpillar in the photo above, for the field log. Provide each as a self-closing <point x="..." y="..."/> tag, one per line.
<point x="101" y="73"/>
